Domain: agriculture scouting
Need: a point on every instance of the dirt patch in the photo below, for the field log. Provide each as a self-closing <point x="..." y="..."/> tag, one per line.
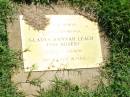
<point x="35" y="14"/>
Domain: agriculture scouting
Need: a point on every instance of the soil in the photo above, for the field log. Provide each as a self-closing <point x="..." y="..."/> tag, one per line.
<point x="35" y="14"/>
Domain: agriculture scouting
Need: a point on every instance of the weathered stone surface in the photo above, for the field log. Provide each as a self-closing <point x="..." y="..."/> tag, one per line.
<point x="67" y="42"/>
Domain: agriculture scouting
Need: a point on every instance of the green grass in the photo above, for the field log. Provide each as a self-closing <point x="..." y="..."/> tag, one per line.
<point x="63" y="88"/>
<point x="113" y="16"/>
<point x="8" y="59"/>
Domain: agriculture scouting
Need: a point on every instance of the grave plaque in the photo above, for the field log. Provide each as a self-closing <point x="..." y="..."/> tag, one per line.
<point x="67" y="42"/>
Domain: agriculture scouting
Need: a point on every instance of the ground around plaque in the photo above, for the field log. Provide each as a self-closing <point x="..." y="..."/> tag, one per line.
<point x="79" y="76"/>
<point x="113" y="18"/>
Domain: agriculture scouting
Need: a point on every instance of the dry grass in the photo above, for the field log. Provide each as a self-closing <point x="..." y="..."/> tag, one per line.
<point x="35" y="14"/>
